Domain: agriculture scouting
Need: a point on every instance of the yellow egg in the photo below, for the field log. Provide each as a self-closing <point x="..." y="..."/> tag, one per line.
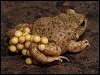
<point x="24" y="51"/>
<point x="24" y="34"/>
<point x="12" y="48"/>
<point x="28" y="53"/>
<point x="28" y="37"/>
<point x="41" y="47"/>
<point x="18" y="33"/>
<point x="44" y="40"/>
<point x="28" y="61"/>
<point x="14" y="40"/>
<point x="26" y="24"/>
<point x="36" y="38"/>
<point x="32" y="37"/>
<point x="27" y="30"/>
<point x="20" y="46"/>
<point x="21" y="39"/>
<point x="27" y="43"/>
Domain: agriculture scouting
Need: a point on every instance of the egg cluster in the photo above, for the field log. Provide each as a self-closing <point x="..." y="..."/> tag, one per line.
<point x="21" y="41"/>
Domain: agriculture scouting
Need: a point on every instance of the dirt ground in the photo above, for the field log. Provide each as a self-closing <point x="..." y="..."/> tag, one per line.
<point x="15" y="12"/>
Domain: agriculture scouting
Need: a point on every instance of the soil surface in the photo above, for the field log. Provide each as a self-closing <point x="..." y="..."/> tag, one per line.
<point x="15" y="12"/>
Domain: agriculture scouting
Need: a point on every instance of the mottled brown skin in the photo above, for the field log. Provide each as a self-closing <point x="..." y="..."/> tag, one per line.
<point x="63" y="30"/>
<point x="52" y="50"/>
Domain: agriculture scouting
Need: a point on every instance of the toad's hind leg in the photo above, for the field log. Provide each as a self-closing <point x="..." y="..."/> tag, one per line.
<point x="42" y="58"/>
<point x="74" y="46"/>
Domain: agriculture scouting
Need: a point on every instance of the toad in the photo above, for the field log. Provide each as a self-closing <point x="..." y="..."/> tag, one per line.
<point x="62" y="32"/>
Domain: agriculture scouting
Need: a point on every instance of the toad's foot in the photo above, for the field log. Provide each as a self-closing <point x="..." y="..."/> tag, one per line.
<point x="74" y="46"/>
<point x="62" y="57"/>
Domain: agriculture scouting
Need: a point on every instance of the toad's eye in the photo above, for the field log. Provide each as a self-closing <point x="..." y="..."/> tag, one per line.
<point x="82" y="24"/>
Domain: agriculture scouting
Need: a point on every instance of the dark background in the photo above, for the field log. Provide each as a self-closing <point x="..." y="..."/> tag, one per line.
<point x="15" y="12"/>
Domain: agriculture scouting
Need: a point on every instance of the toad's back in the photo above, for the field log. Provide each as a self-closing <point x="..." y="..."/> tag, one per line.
<point x="59" y="28"/>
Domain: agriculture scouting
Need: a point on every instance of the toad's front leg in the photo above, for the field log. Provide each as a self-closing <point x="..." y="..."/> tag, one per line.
<point x="74" y="46"/>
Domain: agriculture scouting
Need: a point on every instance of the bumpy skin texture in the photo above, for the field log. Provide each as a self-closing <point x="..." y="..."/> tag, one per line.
<point x="63" y="30"/>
